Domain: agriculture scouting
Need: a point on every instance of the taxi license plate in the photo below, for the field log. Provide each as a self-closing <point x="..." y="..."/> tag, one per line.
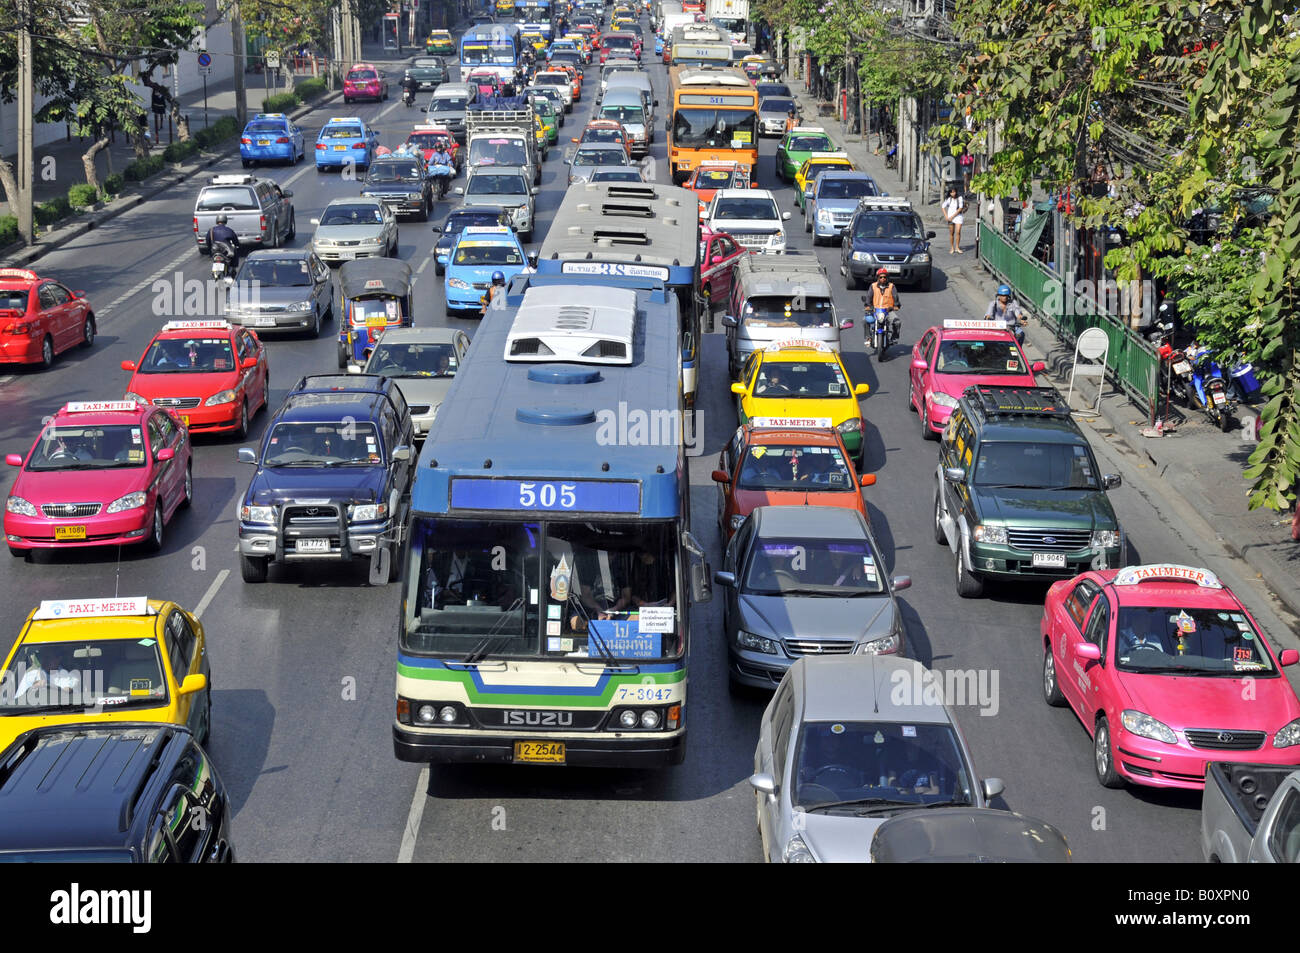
<point x="894" y="269"/>
<point x="540" y="752"/>
<point x="263" y="142"/>
<point x="185" y="419"/>
<point x="1049" y="560"/>
<point x="340" y="148"/>
<point x="376" y="321"/>
<point x="259" y="322"/>
<point x="312" y="545"/>
<point x="69" y="532"/>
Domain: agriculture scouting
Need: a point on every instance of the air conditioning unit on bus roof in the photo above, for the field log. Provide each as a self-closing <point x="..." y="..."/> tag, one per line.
<point x="549" y="326"/>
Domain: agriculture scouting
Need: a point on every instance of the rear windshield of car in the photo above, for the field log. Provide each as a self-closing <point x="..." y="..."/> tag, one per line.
<point x="616" y="175"/>
<point x="341" y="132"/>
<point x="12" y="299"/>
<point x="761" y="209"/>
<point x="600" y="157"/>
<point x="362" y="74"/>
<point x="624" y="114"/>
<point x="265" y="127"/>
<point x="776" y="311"/>
<point x="846" y="189"/>
<point x="497" y="185"/>
<point x="236" y="198"/>
<point x="776" y="105"/>
<point x="427" y="64"/>
<point x="471" y="252"/>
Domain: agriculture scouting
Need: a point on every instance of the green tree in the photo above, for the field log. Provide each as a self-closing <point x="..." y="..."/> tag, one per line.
<point x="289" y="24"/>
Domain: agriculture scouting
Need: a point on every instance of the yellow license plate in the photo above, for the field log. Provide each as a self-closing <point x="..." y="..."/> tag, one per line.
<point x="79" y="532"/>
<point x="340" y="148"/>
<point x="540" y="752"/>
<point x="185" y="419"/>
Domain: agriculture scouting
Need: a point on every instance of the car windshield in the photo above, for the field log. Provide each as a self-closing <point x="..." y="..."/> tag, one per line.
<point x="778" y="104"/>
<point x="114" y="673"/>
<point x="234" y="198"/>
<point x="476" y="253"/>
<point x="715" y="128"/>
<point x="342" y="443"/>
<point x="878" y="225"/>
<point x="497" y="185"/>
<point x="1179" y="641"/>
<point x="448" y="104"/>
<point x="498" y="151"/>
<point x="979" y="357"/>
<point x="772" y="89"/>
<point x="458" y="221"/>
<point x="839" y="568"/>
<point x="412" y="360"/>
<point x="798" y="311"/>
<point x="275" y="127"/>
<point x="1035" y="466"/>
<point x="852" y="767"/>
<point x="341" y="132"/>
<point x="846" y="188"/>
<point x="633" y="115"/>
<point x="809" y="144"/>
<point x="814" y="169"/>
<point x="785" y="467"/>
<point x="385" y="172"/>
<point x="276" y="272"/>
<point x="616" y="175"/>
<point x="351" y="215"/>
<point x="542" y="106"/>
<point x="13" y="299"/>
<point x="426" y="140"/>
<point x="188" y="356"/>
<point x="815" y="379"/>
<point x="760" y="209"/>
<point x="359" y="74"/>
<point x="552" y="79"/>
<point x="90" y="447"/>
<point x="600" y="157"/>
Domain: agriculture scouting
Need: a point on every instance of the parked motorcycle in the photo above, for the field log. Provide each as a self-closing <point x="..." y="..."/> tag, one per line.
<point x="1242" y="383"/>
<point x="1207" y="389"/>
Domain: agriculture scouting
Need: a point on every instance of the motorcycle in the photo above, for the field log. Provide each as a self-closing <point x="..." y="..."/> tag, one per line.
<point x="442" y="175"/>
<point x="1206" y="387"/>
<point x="223" y="260"/>
<point x="408" y="96"/>
<point x="882" y="328"/>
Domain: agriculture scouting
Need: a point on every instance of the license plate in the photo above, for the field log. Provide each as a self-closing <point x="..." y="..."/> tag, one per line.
<point x="69" y="532"/>
<point x="1220" y="398"/>
<point x="259" y="322"/>
<point x="1049" y="560"/>
<point x="340" y="148"/>
<point x="894" y="269"/>
<point x="312" y="545"/>
<point x="185" y="419"/>
<point x="373" y="321"/>
<point x="1182" y="367"/>
<point x="540" y="752"/>
<point x="347" y="255"/>
<point x="263" y="142"/>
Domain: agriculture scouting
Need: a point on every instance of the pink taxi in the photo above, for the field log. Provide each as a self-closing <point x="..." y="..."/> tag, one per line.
<point x="950" y="358"/>
<point x="101" y="473"/>
<point x="1167" y="671"/>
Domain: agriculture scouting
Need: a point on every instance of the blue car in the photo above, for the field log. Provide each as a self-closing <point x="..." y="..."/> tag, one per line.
<point x="271" y="137"/>
<point x="659" y="45"/>
<point x="344" y="142"/>
<point x="476" y="254"/>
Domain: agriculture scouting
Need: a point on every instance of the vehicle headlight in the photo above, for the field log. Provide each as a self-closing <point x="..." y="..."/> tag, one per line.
<point x="370" y="241"/>
<point x="257" y="514"/>
<point x="824" y="216"/>
<point x="990" y="534"/>
<point x="458" y="284"/>
<point x="852" y="425"/>
<point x="132" y="501"/>
<point x="1286" y="736"/>
<point x="221" y="397"/>
<point x="1140" y="723"/>
<point x="921" y="258"/>
<point x="299" y="306"/>
<point x="943" y="400"/>
<point x="324" y="242"/>
<point x="16" y="504"/>
<point x="881" y="646"/>
<point x="367" y="512"/>
<point x="797" y="852"/>
<point x="736" y="521"/>
<point x="1105" y="538"/>
<point x="862" y="256"/>
<point x="777" y="239"/>
<point x="136" y="397"/>
<point x="755" y="643"/>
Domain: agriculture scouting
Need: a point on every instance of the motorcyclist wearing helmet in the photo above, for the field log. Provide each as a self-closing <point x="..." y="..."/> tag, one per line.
<point x="1004" y="308"/>
<point x="883" y="295"/>
<point x="495" y="290"/>
<point x="221" y="232"/>
<point x="441" y="156"/>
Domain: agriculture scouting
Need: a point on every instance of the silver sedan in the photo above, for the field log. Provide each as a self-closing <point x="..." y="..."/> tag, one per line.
<point x="355" y="228"/>
<point x="283" y="289"/>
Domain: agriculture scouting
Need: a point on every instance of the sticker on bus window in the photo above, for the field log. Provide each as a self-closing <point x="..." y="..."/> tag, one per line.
<point x="1013" y="365"/>
<point x="741" y="137"/>
<point x="758" y="452"/>
<point x="552" y="612"/>
<point x="135" y="435"/>
<point x="553" y="626"/>
<point x="909" y="731"/>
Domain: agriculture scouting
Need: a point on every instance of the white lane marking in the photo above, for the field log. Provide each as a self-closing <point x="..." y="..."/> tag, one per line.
<point x="212" y="591"/>
<point x="168" y="269"/>
<point x="423" y="265"/>
<point x="413" y="817"/>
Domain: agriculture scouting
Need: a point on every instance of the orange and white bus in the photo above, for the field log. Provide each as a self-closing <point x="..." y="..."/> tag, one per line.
<point x="714" y="118"/>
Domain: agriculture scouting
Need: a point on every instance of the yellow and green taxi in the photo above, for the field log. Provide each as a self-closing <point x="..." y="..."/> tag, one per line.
<point x="439" y="43"/>
<point x="541" y="136"/>
<point x="815" y="165"/>
<point x="544" y="110"/>
<point x="127" y="659"/>
<point x="801" y="383"/>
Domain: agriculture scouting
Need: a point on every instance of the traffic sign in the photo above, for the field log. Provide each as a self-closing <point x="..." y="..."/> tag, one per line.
<point x="272" y="60"/>
<point x="205" y="70"/>
<point x="205" y="59"/>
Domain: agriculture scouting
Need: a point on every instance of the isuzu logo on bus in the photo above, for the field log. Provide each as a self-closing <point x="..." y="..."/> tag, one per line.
<point x="559" y="719"/>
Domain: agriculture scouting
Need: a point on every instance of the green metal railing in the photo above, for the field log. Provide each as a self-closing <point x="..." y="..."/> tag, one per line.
<point x="1131" y="363"/>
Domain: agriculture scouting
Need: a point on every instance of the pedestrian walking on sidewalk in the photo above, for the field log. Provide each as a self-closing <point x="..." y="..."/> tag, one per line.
<point x="954" y="209"/>
<point x="159" y="103"/>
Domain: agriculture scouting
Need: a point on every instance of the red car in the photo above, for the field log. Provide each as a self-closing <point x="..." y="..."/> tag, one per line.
<point x="365" y="81"/>
<point x="40" y="318"/>
<point x="486" y="82"/>
<point x="212" y="374"/>
<point x="706" y="178"/>
<point x="949" y="359"/>
<point x="1167" y="670"/>
<point x="423" y="138"/>
<point x="719" y="253"/>
<point x="785" y="466"/>
<point x="622" y="44"/>
<point x="100" y="473"/>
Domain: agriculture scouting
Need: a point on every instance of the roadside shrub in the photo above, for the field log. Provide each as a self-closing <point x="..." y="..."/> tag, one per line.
<point x="280" y="102"/>
<point x="221" y="130"/>
<point x="82" y="194"/>
<point x="114" y="184"/>
<point x="8" y="230"/>
<point x="180" y="151"/>
<point x="141" y="169"/>
<point x="310" y="89"/>
<point x="47" y="213"/>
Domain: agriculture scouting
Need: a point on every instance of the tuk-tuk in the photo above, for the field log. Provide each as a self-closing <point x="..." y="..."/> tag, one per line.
<point x="376" y="297"/>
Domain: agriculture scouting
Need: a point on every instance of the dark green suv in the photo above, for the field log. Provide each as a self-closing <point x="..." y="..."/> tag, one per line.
<point x="1017" y="492"/>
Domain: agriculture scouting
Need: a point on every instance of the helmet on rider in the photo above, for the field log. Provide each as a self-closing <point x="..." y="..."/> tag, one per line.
<point x="221" y="220"/>
<point x="882" y="273"/>
<point x="1004" y="291"/>
<point x="498" y="278"/>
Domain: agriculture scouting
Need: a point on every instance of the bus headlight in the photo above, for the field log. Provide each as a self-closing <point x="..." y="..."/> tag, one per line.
<point x="425" y="714"/>
<point x="650" y="718"/>
<point x="448" y="714"/>
<point x="628" y="718"/>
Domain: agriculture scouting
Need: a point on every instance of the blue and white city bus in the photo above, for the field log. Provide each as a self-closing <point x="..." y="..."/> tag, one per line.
<point x="549" y="570"/>
<point x="494" y="46"/>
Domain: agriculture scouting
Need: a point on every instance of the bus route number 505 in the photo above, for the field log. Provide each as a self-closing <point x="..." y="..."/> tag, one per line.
<point x="546" y="495"/>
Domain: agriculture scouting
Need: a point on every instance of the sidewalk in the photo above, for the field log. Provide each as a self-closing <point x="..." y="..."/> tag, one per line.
<point x="1199" y="463"/>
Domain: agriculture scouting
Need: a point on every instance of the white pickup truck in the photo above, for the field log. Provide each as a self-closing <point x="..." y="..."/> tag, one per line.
<point x="501" y="132"/>
<point x="1250" y="813"/>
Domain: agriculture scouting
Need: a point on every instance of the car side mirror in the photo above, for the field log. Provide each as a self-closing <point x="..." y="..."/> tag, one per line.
<point x="1037" y="367"/>
<point x="929" y="234"/>
<point x="458" y="190"/>
<point x="763" y="784"/>
<point x="436" y="228"/>
<point x="14" y="459"/>
<point x="401" y="453"/>
<point x="193" y="683"/>
<point x="78" y="294"/>
<point x="532" y="258"/>
<point x="727" y="579"/>
<point x="993" y="787"/>
<point x="1288" y="657"/>
<point x="861" y="390"/>
<point x="424" y="109"/>
<point x="729" y="321"/>
<point x="785" y="216"/>
<point x="1088" y="651"/>
<point x="738" y="388"/>
<point x="128" y="365"/>
<point x="248" y="363"/>
<point x="535" y="190"/>
<point x="287" y="193"/>
<point x="867" y="479"/>
<point x="919" y="364"/>
<point x="354" y="368"/>
<point x="314" y="221"/>
<point x="954" y="474"/>
<point x="899" y="583"/>
<point x="655" y="103"/>
<point x="164" y="454"/>
<point x="1110" y="480"/>
<point x="247" y="455"/>
<point x="720" y="476"/>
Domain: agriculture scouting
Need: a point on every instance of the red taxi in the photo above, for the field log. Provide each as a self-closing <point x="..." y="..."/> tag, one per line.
<point x="1167" y="671"/>
<point x="719" y="253"/>
<point x="950" y="358"/>
<point x="707" y="177"/>
<point x="100" y="473"/>
<point x="423" y="137"/>
<point x="784" y="466"/>
<point x="212" y="374"/>
<point x="40" y="318"/>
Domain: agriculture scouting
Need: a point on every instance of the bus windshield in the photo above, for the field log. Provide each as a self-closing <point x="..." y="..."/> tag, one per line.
<point x="550" y="589"/>
<point x="715" y="128"/>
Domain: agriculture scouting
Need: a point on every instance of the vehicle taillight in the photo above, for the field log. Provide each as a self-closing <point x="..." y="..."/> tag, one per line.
<point x="358" y="145"/>
<point x="320" y="145"/>
<point x="245" y="141"/>
<point x="196" y="224"/>
<point x="262" y="222"/>
<point x="282" y="140"/>
<point x="22" y="327"/>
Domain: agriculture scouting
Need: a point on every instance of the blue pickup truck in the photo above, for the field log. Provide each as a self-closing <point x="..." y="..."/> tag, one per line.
<point x="333" y="478"/>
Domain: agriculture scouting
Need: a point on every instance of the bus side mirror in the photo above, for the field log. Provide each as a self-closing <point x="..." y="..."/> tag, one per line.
<point x="729" y="321"/>
<point x="701" y="589"/>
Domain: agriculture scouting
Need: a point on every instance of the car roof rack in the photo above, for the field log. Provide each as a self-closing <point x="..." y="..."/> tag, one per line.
<point x="339" y="383"/>
<point x="995" y="401"/>
<point x="884" y="203"/>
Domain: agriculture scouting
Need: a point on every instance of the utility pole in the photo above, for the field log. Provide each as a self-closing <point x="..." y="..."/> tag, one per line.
<point x="26" y="112"/>
<point x="239" y="47"/>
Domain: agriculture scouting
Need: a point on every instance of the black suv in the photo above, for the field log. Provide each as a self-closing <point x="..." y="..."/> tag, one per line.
<point x="402" y="183"/>
<point x="142" y="793"/>
<point x="1018" y="494"/>
<point x="333" y="478"/>
<point x="885" y="233"/>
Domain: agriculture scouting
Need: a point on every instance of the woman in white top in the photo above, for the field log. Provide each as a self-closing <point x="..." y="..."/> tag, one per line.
<point x="954" y="207"/>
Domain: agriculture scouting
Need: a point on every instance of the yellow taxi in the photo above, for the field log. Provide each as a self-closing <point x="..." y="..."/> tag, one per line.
<point x="801" y="383"/>
<point x="536" y="40"/>
<point x="815" y="165"/>
<point x="440" y="43"/>
<point x="128" y="659"/>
